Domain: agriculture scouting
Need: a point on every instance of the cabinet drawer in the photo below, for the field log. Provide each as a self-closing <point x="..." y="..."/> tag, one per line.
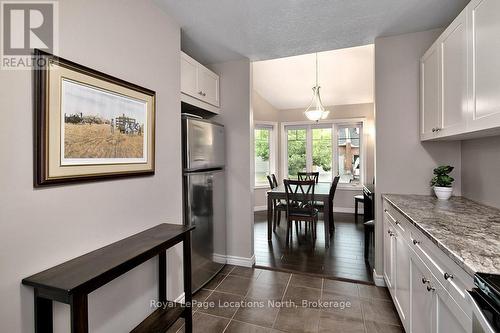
<point x="453" y="278"/>
<point x="399" y="222"/>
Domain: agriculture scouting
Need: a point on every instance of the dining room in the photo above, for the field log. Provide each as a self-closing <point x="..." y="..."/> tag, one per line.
<point x="314" y="164"/>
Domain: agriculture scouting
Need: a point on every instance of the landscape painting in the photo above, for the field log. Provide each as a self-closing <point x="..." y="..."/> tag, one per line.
<point x="101" y="127"/>
<point x="89" y="125"/>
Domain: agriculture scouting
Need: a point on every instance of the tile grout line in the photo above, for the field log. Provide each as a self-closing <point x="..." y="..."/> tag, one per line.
<point x="243" y="298"/>
<point x="282" y="297"/>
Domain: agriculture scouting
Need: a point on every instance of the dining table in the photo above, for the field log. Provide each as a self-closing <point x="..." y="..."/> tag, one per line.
<point x="321" y="193"/>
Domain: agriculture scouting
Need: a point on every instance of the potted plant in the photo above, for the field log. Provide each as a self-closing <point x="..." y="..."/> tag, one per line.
<point x="442" y="182"/>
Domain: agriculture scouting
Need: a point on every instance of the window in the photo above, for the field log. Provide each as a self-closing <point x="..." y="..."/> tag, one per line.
<point x="264" y="153"/>
<point x="348" y="154"/>
<point x="322" y="153"/>
<point x="296" y="149"/>
<point x="328" y="148"/>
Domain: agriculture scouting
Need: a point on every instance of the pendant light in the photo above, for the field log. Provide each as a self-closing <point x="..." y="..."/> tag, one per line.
<point x="316" y="110"/>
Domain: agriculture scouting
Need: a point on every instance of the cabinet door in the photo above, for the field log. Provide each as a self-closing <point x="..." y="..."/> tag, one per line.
<point x="453" y="51"/>
<point x="484" y="68"/>
<point x="388" y="253"/>
<point x="188" y="75"/>
<point x="421" y="298"/>
<point x="402" y="276"/>
<point x="429" y="93"/>
<point x="448" y="316"/>
<point x="208" y="86"/>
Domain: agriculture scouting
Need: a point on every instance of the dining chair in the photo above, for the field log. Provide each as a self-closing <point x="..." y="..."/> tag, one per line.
<point x="300" y="206"/>
<point x="275" y="181"/>
<point x="308" y="176"/>
<point x="278" y="205"/>
<point x="331" y="195"/>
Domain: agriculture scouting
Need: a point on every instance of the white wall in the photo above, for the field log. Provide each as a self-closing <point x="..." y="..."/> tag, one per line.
<point x="344" y="198"/>
<point x="44" y="227"/>
<point x="236" y="115"/>
<point x="403" y="164"/>
<point x="480" y="161"/>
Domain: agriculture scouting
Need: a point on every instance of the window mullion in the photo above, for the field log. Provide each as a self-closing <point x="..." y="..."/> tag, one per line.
<point x="309" y="148"/>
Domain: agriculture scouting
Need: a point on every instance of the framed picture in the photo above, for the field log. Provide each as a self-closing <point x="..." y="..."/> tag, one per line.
<point x="89" y="125"/>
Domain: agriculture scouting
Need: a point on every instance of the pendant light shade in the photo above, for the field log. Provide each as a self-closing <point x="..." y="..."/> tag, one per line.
<point x="316" y="110"/>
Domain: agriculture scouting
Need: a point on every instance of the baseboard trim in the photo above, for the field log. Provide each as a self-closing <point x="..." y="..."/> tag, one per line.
<point x="180" y="299"/>
<point x="259" y="208"/>
<point x="241" y="261"/>
<point x="378" y="279"/>
<point x="335" y="209"/>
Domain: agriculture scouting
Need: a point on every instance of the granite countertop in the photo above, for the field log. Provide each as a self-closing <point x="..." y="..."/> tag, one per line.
<point x="468" y="232"/>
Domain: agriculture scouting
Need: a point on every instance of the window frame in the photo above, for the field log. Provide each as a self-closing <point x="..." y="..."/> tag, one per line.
<point x="273" y="148"/>
<point x="335" y="124"/>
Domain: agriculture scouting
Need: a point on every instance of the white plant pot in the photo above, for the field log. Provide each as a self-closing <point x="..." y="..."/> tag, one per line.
<point x="443" y="193"/>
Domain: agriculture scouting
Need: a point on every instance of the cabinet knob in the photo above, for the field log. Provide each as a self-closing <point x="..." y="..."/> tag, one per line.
<point x="430" y="288"/>
<point x="416" y="242"/>
<point x="448" y="276"/>
<point x="201" y="93"/>
<point x="425" y="280"/>
<point x="385" y="210"/>
<point x="438" y="129"/>
<point x="433" y="130"/>
<point x="397" y="222"/>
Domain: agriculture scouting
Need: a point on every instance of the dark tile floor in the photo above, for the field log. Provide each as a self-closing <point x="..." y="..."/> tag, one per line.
<point x="256" y="300"/>
<point x="344" y="259"/>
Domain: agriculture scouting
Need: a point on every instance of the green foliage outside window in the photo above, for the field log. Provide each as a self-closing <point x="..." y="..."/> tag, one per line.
<point x="262" y="144"/>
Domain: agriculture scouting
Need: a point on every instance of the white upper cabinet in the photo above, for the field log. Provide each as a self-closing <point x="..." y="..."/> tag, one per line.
<point x="429" y="102"/>
<point x="484" y="69"/>
<point x="189" y="80"/>
<point x="465" y="83"/>
<point x="453" y="89"/>
<point x="199" y="84"/>
<point x="208" y="85"/>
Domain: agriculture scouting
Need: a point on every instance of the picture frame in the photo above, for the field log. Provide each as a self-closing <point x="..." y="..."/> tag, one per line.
<point x="89" y="125"/>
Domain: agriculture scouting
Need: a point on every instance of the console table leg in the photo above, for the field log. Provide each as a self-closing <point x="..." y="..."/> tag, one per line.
<point x="162" y="277"/>
<point x="43" y="314"/>
<point x="188" y="310"/>
<point x="79" y="313"/>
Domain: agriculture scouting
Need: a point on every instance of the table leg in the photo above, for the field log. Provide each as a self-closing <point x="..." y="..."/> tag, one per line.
<point x="326" y="222"/>
<point x="43" y="314"/>
<point x="269" y="218"/>
<point x="162" y="277"/>
<point x="188" y="295"/>
<point x="79" y="313"/>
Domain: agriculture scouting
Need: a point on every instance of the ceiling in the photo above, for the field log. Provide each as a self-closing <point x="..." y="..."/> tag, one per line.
<point x="345" y="76"/>
<point x="223" y="30"/>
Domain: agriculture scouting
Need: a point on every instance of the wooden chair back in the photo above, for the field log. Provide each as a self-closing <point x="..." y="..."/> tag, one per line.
<point x="308" y="176"/>
<point x="275" y="181"/>
<point x="300" y="197"/>
<point x="333" y="188"/>
<point x="270" y="182"/>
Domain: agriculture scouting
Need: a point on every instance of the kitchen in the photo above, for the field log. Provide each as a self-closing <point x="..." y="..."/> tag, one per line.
<point x="436" y="103"/>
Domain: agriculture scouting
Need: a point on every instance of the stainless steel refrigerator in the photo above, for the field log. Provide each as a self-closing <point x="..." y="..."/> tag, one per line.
<point x="204" y="196"/>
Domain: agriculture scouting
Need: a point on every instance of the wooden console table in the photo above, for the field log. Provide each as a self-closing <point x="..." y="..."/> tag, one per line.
<point x="72" y="281"/>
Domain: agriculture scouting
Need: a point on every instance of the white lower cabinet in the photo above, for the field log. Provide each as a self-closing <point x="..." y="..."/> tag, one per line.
<point x="423" y="302"/>
<point x="421" y="299"/>
<point x="402" y="277"/>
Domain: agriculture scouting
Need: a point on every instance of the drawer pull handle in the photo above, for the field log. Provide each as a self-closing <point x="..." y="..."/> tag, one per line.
<point x="448" y="276"/>
<point x="430" y="288"/>
<point x="425" y="280"/>
<point x="416" y="242"/>
<point x="385" y="210"/>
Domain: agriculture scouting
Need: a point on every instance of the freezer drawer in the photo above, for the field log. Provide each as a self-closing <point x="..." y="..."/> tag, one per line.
<point x="203" y="144"/>
<point x="205" y="208"/>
